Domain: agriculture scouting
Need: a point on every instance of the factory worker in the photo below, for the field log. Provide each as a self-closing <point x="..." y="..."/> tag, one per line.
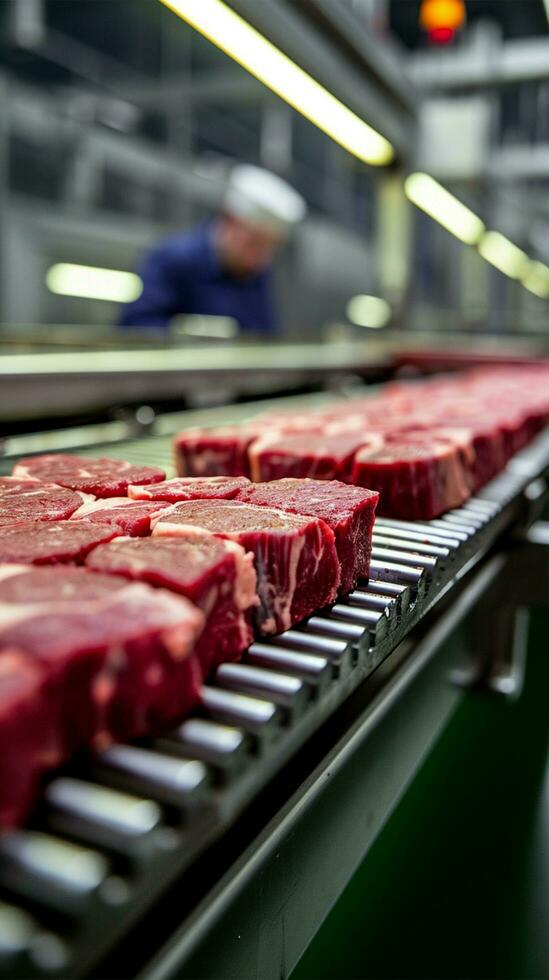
<point x="223" y="267"/>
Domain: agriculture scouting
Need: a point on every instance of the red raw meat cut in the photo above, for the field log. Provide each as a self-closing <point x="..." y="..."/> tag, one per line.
<point x="295" y="557"/>
<point x="118" y="655"/>
<point x="52" y="542"/>
<point x="131" y="517"/>
<point x="101" y="477"/>
<point x="28" y="736"/>
<point x="458" y="438"/>
<point x="323" y="457"/>
<point x="10" y="485"/>
<point x="190" y="488"/>
<point x="348" y="510"/>
<point x="487" y="444"/>
<point x="213" y="452"/>
<point x="415" y="482"/>
<point x="28" y="500"/>
<point x="217" y="576"/>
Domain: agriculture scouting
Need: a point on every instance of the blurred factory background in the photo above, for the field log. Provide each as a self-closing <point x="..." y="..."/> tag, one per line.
<point x="120" y="122"/>
<point x="417" y="133"/>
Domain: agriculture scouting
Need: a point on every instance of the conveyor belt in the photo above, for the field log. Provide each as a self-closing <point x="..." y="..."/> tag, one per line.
<point x="111" y="835"/>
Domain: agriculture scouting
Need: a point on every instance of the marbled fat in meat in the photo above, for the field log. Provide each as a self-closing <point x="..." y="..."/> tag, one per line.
<point x="295" y="557"/>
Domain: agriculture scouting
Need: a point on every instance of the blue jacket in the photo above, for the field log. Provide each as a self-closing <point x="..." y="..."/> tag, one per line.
<point x="183" y="275"/>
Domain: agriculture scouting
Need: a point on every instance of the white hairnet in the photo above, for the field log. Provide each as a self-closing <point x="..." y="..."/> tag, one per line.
<point x="258" y="196"/>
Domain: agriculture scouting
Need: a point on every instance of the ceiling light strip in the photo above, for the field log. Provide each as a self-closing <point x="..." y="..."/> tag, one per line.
<point x="238" y="39"/>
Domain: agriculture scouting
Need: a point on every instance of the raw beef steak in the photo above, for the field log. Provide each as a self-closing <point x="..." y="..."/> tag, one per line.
<point x="213" y="452"/>
<point x="481" y="447"/>
<point x="29" y="740"/>
<point x="52" y="542"/>
<point x="348" y="510"/>
<point x="414" y="481"/>
<point x="323" y="457"/>
<point x="131" y="517"/>
<point x="101" y="477"/>
<point x="218" y="576"/>
<point x="118" y="655"/>
<point x="295" y="557"/>
<point x="190" y="488"/>
<point x="29" y="500"/>
<point x="10" y="485"/>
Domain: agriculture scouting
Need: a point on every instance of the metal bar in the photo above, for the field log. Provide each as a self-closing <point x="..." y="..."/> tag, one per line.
<point x="439" y="528"/>
<point x="50" y="870"/>
<point x="308" y="667"/>
<point x="404" y="558"/>
<point x="287" y="692"/>
<point x="177" y="781"/>
<point x="373" y="601"/>
<point x="104" y="817"/>
<point x="412" y="534"/>
<point x="436" y="551"/>
<point x="256" y="715"/>
<point x="222" y="746"/>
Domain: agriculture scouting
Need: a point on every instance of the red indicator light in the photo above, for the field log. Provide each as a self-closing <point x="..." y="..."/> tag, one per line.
<point x="441" y="35"/>
<point x="441" y="19"/>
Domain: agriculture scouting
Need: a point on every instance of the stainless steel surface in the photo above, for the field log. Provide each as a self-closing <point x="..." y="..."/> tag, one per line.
<point x="287" y="692"/>
<point x="252" y="714"/>
<point x="221" y="746"/>
<point x="59" y="383"/>
<point x="435" y="551"/>
<point x="101" y="816"/>
<point x="436" y="532"/>
<point x="307" y="667"/>
<point x="177" y="781"/>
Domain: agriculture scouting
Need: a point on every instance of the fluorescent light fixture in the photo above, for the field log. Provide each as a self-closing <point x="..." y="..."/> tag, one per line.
<point x="238" y="39"/>
<point x="426" y="193"/>
<point x="501" y="253"/>
<point x="369" y="311"/>
<point x="537" y="277"/>
<point x="90" y="282"/>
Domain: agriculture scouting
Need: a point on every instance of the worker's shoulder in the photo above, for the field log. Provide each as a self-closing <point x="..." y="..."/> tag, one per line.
<point x="185" y="248"/>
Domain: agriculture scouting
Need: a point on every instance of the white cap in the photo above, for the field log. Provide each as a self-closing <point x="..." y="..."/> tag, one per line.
<point x="262" y="198"/>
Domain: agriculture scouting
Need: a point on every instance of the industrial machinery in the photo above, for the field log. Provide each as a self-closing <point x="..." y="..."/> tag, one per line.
<point x="229" y="840"/>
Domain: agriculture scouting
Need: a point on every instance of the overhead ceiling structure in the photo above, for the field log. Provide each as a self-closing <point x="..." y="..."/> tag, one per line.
<point x="319" y="60"/>
<point x="516" y="19"/>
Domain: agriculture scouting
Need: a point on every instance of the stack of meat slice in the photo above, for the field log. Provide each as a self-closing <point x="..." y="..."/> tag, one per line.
<point x="214" y="452"/>
<point x="415" y="479"/>
<point x="425" y="445"/>
<point x="31" y="500"/>
<point x="295" y="557"/>
<point x="118" y="648"/>
<point x="29" y="736"/>
<point x="84" y="659"/>
<point x="348" y="510"/>
<point x="152" y="582"/>
<point x="100" y="477"/>
<point x="315" y="455"/>
<point x="51" y="542"/>
<point x="217" y="576"/>
<point x="131" y="517"/>
<point x="190" y="488"/>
